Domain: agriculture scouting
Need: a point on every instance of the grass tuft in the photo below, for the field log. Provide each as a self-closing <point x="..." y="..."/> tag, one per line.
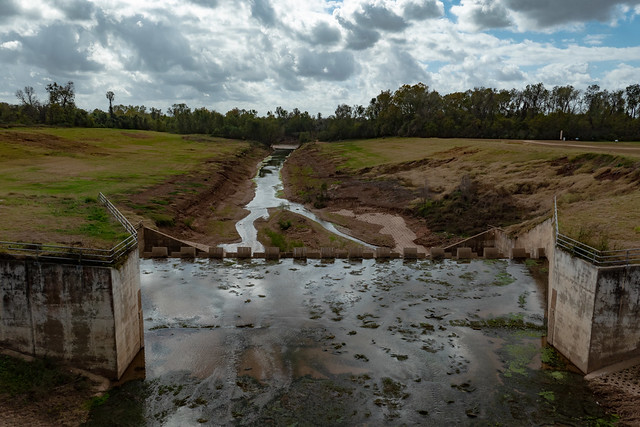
<point x="34" y="380"/>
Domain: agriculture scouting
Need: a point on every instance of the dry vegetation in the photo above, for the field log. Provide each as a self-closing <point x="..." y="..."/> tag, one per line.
<point x="462" y="186"/>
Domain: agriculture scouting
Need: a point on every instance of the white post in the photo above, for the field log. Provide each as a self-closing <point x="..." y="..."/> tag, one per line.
<point x="561" y="135"/>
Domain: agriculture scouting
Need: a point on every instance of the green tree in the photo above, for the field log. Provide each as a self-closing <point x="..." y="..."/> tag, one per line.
<point x="110" y="97"/>
<point x="61" y="108"/>
<point x="632" y="93"/>
<point x="181" y="114"/>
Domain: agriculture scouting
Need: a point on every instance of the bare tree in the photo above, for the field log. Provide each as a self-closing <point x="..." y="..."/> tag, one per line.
<point x="633" y="100"/>
<point x="62" y="106"/>
<point x="30" y="104"/>
<point x="27" y="97"/>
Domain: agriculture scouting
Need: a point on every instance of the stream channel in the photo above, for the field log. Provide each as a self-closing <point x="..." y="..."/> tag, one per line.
<point x="268" y="187"/>
<point x="342" y="342"/>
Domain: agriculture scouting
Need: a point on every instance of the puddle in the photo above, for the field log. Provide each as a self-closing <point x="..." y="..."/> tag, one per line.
<point x="346" y="343"/>
<point x="268" y="188"/>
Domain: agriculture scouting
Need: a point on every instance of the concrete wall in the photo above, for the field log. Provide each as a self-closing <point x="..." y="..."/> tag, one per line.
<point x="478" y="242"/>
<point x="615" y="336"/>
<point x="87" y="315"/>
<point x="127" y="310"/>
<point x="594" y="312"/>
<point x="541" y="236"/>
<point x="572" y="297"/>
<point x="151" y="238"/>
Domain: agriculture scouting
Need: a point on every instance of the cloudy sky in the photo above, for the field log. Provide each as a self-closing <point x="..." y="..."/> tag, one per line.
<point x="311" y="54"/>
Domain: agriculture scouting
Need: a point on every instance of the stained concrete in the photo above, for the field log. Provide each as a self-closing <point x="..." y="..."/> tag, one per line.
<point x="616" y="333"/>
<point x="88" y="315"/>
<point x="594" y="311"/>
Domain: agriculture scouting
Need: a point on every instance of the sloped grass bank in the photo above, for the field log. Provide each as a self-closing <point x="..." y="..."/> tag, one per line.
<point x="50" y="177"/>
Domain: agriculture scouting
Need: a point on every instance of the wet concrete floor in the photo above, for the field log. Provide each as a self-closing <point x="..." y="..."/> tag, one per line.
<point x="346" y="343"/>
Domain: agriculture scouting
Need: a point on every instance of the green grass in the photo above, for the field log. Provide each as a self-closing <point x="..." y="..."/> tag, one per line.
<point x="503" y="279"/>
<point x="32" y="379"/>
<point x="93" y="160"/>
<point x="46" y="173"/>
<point x="549" y="396"/>
<point x="280" y="241"/>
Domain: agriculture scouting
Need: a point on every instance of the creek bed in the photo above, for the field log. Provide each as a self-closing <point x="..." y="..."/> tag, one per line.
<point x="268" y="186"/>
<point x="347" y="343"/>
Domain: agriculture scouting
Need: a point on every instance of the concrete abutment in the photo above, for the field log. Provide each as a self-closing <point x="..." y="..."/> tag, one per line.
<point x="91" y="316"/>
<point x="594" y="312"/>
<point x="87" y="315"/>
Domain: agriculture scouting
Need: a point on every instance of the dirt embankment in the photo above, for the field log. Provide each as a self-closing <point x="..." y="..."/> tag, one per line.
<point x="204" y="205"/>
<point x="41" y="393"/>
<point x="313" y="179"/>
<point x="463" y="190"/>
<point x="438" y="195"/>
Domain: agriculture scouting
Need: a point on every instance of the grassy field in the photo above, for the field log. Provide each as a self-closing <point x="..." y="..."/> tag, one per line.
<point x="50" y="178"/>
<point x="597" y="184"/>
<point x="370" y="153"/>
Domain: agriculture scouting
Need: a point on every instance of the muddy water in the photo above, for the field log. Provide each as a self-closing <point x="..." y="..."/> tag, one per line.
<point x="268" y="185"/>
<point x="346" y="343"/>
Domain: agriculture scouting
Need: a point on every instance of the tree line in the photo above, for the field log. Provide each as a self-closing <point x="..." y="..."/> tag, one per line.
<point x="534" y="112"/>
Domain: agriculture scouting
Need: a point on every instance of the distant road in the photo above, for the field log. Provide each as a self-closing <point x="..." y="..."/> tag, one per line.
<point x="609" y="147"/>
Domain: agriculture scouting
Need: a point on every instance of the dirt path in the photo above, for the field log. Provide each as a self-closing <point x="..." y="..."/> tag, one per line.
<point x="621" y="149"/>
<point x="393" y="225"/>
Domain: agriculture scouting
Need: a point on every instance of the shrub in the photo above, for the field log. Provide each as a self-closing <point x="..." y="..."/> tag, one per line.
<point x="284" y="224"/>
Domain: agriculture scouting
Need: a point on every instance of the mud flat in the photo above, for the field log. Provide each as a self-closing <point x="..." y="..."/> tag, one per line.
<point x="347" y="343"/>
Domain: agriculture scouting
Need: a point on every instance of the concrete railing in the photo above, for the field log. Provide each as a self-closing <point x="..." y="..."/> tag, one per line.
<point x="78" y="254"/>
<point x="591" y="254"/>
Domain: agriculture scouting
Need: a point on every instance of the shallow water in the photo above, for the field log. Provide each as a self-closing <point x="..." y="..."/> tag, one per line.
<point x="346" y="343"/>
<point x="268" y="185"/>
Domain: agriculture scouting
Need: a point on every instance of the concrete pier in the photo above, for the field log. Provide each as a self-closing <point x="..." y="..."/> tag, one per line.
<point x="87" y="315"/>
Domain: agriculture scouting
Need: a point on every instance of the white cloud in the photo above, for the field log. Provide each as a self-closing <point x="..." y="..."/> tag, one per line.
<point x="622" y="76"/>
<point x="595" y="39"/>
<point x="540" y="15"/>
<point x="311" y="55"/>
<point x="413" y="10"/>
<point x="558" y="74"/>
<point x="552" y="13"/>
<point x="11" y="45"/>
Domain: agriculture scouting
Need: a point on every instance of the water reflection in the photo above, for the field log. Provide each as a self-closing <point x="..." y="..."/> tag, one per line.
<point x="394" y="343"/>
